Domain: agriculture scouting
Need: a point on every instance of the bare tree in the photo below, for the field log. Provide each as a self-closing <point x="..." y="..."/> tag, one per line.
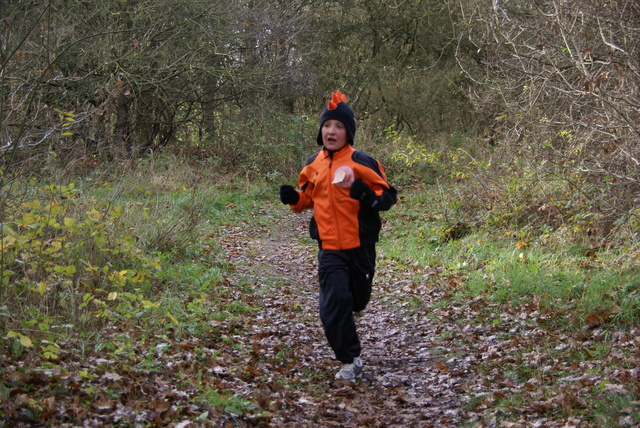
<point x="558" y="82"/>
<point x="107" y="79"/>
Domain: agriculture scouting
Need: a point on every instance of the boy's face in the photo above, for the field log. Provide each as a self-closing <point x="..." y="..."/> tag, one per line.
<point x="334" y="134"/>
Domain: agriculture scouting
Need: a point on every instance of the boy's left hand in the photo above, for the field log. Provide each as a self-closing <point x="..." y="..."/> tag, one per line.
<point x="361" y="192"/>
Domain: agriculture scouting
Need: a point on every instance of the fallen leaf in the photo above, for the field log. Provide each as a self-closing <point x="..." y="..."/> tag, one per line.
<point x="593" y="320"/>
<point x="112" y="376"/>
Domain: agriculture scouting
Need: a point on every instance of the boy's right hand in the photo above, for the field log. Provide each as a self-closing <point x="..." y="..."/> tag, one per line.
<point x="289" y="195"/>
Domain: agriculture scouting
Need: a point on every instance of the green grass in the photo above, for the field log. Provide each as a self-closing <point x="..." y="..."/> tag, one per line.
<point x="234" y="405"/>
<point x="497" y="264"/>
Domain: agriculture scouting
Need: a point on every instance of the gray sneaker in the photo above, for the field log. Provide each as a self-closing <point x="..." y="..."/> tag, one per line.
<point x="351" y="372"/>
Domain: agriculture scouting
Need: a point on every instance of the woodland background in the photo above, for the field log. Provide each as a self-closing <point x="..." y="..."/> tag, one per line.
<point x="124" y="123"/>
<point x="535" y="101"/>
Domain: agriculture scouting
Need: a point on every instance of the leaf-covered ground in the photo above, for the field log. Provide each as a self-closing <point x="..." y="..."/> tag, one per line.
<point x="257" y="356"/>
<point x="409" y="380"/>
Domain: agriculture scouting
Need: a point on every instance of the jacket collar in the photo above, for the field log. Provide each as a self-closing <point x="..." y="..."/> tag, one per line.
<point x="336" y="154"/>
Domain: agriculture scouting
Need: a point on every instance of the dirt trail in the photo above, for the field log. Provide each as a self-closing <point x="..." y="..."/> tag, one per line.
<point x="409" y="378"/>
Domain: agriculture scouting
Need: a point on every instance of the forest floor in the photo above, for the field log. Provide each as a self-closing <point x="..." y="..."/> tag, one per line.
<point x="410" y="379"/>
<point x="258" y="356"/>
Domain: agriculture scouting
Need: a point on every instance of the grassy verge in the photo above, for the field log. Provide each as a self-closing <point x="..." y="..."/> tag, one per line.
<point x="589" y="280"/>
<point x="137" y="248"/>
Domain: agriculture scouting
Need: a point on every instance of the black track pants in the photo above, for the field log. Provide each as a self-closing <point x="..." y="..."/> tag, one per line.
<point x="345" y="287"/>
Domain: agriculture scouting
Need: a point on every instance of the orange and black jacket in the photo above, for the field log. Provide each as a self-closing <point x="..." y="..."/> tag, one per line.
<point x="340" y="222"/>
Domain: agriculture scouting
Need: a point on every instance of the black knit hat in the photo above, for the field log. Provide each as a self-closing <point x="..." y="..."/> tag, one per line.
<point x="338" y="109"/>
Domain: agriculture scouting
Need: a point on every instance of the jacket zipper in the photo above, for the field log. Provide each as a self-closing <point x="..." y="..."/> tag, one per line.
<point x="333" y="201"/>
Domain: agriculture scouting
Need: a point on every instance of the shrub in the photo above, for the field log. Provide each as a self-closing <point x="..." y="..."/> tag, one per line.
<point x="68" y="259"/>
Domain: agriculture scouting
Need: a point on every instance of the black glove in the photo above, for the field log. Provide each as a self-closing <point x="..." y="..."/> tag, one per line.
<point x="289" y="195"/>
<point x="361" y="192"/>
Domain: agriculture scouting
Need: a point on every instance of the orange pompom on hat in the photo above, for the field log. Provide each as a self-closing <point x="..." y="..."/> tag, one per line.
<point x="338" y="109"/>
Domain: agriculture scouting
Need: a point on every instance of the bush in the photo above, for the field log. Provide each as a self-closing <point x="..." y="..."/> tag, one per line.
<point x="68" y="259"/>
